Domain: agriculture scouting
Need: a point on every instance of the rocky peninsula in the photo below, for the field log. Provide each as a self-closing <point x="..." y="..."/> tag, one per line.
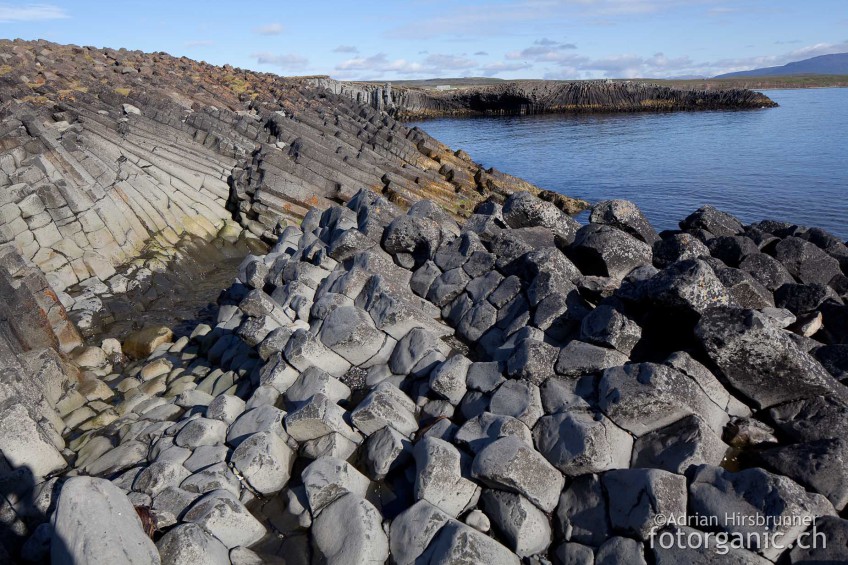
<point x="417" y="361"/>
<point x="527" y="97"/>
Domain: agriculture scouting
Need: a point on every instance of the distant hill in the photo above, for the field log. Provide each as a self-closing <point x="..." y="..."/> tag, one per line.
<point x="836" y="64"/>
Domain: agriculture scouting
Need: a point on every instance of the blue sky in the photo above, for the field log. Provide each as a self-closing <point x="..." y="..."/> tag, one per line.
<point x="408" y="39"/>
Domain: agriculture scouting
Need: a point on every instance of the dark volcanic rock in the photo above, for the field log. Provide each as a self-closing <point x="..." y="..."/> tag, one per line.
<point x="607" y="326"/>
<point x="625" y="216"/>
<point x="760" y="360"/>
<point x="581" y="358"/>
<point x="581" y="515"/>
<point x="834" y="532"/>
<point x="819" y="465"/>
<point x="732" y="249"/>
<point x="802" y="299"/>
<point x="812" y="419"/>
<point x="744" y="289"/>
<point x="714" y="221"/>
<point x="689" y="285"/>
<point x="756" y="493"/>
<point x="606" y="251"/>
<point x="678" y="247"/>
<point x="643" y="397"/>
<point x="767" y="270"/>
<point x="523" y="210"/>
<point x="418" y="237"/>
<point x="834" y="358"/>
<point x="630" y="490"/>
<point x="674" y="448"/>
<point x="805" y="261"/>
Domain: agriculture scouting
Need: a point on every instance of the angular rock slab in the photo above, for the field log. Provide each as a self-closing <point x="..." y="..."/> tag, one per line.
<point x="626" y="216"/>
<point x="761" y="361"/>
<point x="439" y="477"/>
<point x="222" y="514"/>
<point x="265" y="461"/>
<point x="350" y="532"/>
<point x="189" y="544"/>
<point x="581" y="515"/>
<point x="385" y="451"/>
<point x="510" y="464"/>
<point x="350" y="332"/>
<point x="94" y="522"/>
<point x="578" y="442"/>
<point x="831" y="547"/>
<point x="821" y="466"/>
<point x="413" y="530"/>
<point x="526" y="528"/>
<point x="481" y="430"/>
<point x="606" y="251"/>
<point x="812" y="419"/>
<point x="386" y="405"/>
<point x="328" y="478"/>
<point x="458" y="543"/>
<point x="643" y="397"/>
<point x="760" y="495"/>
<point x="581" y="358"/>
<point x="637" y="497"/>
<point x="688" y="285"/>
<point x="676" y="447"/>
<point x="448" y="378"/>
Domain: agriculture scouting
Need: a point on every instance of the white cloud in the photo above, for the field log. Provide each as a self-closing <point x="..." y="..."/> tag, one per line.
<point x="499" y="67"/>
<point x="375" y="66"/>
<point x="270" y="29"/>
<point x="31" y="13"/>
<point x="544" y="50"/>
<point x="482" y="20"/>
<point x="346" y="49"/>
<point x="747" y="63"/>
<point x="448" y="62"/>
<point x="552" y="59"/>
<point x="287" y="61"/>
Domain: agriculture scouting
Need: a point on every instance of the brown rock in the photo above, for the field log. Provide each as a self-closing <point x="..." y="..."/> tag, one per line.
<point x="140" y="344"/>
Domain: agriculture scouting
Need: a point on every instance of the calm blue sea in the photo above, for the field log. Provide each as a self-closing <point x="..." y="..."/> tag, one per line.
<point x="788" y="163"/>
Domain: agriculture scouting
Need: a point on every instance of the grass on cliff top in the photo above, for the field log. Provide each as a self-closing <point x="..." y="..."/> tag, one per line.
<point x="753" y="83"/>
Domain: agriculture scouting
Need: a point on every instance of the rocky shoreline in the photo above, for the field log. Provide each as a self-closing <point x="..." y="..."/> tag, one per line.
<point x="517" y="382"/>
<point x="425" y="362"/>
<point x="527" y="97"/>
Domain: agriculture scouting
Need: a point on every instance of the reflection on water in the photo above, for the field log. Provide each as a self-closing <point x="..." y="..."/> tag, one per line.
<point x="786" y="163"/>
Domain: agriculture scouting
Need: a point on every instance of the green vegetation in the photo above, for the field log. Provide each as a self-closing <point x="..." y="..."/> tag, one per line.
<point x="752" y="83"/>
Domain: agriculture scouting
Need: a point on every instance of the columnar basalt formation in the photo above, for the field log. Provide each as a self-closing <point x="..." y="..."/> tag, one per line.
<point x="390" y="386"/>
<point x="433" y="363"/>
<point x="115" y="146"/>
<point x="525" y="97"/>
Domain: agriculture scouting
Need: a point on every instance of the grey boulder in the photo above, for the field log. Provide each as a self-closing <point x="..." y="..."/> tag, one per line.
<point x="94" y="522"/>
<point x="189" y="544"/>
<point x="439" y="478"/>
<point x="579" y="442"/>
<point x="349" y="531"/>
<point x="760" y="360"/>
<point x="510" y="464"/>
